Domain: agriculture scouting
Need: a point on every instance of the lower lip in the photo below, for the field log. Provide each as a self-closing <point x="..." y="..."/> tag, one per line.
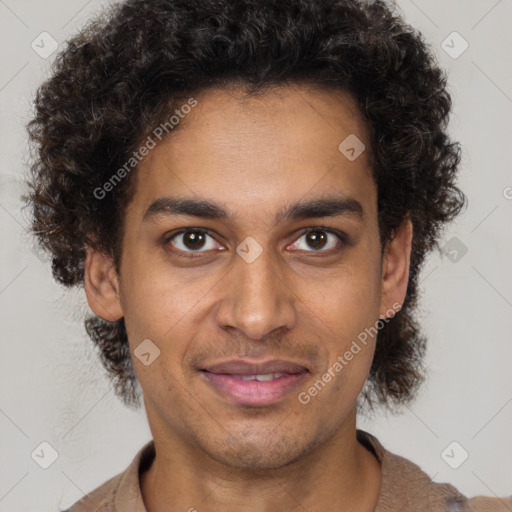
<point x="254" y="392"/>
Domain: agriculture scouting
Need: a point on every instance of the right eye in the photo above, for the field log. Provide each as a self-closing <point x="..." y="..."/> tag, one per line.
<point x="190" y="240"/>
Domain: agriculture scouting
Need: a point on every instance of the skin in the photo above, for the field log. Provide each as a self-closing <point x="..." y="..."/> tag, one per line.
<point x="295" y="302"/>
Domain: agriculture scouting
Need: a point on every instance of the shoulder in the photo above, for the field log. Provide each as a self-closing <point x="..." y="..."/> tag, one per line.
<point x="485" y="504"/>
<point x="100" y="499"/>
<point x="121" y="492"/>
<point x="405" y="486"/>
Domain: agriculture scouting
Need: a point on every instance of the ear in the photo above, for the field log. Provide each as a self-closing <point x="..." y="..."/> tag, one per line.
<point x="395" y="269"/>
<point x="101" y="285"/>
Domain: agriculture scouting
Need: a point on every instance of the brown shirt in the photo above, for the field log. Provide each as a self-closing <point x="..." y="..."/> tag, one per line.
<point x="404" y="487"/>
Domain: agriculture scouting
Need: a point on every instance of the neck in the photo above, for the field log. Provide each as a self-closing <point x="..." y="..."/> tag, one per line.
<point x="340" y="475"/>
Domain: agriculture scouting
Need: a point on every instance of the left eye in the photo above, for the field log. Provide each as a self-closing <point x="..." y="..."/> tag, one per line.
<point x="318" y="239"/>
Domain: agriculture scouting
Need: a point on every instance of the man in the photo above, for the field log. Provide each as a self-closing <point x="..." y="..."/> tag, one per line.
<point x="246" y="190"/>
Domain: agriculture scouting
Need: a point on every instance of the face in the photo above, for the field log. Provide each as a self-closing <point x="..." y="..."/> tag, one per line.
<point x="277" y="277"/>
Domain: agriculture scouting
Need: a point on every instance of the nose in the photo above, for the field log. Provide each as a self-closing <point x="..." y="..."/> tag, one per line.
<point x="257" y="299"/>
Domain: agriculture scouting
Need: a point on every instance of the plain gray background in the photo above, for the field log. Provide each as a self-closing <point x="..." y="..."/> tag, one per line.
<point x="54" y="389"/>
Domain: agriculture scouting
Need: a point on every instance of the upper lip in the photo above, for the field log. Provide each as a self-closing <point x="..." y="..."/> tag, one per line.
<point x="243" y="367"/>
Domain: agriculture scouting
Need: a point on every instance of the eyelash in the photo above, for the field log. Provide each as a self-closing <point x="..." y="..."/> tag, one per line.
<point x="342" y="238"/>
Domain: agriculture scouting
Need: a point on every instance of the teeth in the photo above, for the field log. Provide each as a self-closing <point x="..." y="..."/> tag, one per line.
<point x="261" y="378"/>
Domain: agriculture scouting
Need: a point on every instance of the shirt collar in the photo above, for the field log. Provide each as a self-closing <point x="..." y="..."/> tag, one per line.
<point x="403" y="483"/>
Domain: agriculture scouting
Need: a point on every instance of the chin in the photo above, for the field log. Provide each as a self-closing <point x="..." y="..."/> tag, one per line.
<point x="261" y="451"/>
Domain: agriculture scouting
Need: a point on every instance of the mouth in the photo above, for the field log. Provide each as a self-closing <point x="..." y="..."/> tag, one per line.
<point x="261" y="383"/>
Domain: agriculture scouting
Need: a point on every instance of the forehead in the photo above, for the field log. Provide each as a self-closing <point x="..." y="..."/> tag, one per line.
<point x="260" y="152"/>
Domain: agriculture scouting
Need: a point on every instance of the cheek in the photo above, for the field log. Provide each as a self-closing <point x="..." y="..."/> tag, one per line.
<point x="346" y="300"/>
<point x="165" y="306"/>
<point x="155" y="297"/>
<point x="347" y="307"/>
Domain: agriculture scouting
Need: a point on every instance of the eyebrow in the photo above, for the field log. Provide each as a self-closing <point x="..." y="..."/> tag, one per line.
<point x="330" y="206"/>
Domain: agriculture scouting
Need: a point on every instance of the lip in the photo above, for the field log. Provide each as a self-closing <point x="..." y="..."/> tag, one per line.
<point x="247" y="367"/>
<point x="226" y="378"/>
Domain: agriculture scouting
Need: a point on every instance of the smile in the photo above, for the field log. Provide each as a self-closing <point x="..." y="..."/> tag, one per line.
<point x="257" y="389"/>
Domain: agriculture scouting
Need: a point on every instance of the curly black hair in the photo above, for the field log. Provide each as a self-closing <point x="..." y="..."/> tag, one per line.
<point x="131" y="66"/>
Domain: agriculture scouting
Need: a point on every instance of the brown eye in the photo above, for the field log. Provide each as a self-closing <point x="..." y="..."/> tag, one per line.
<point x="191" y="240"/>
<point x="316" y="239"/>
<point x="320" y="240"/>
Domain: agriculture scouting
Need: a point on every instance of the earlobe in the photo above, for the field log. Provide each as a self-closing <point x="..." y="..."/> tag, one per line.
<point x="101" y="285"/>
<point x="395" y="269"/>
